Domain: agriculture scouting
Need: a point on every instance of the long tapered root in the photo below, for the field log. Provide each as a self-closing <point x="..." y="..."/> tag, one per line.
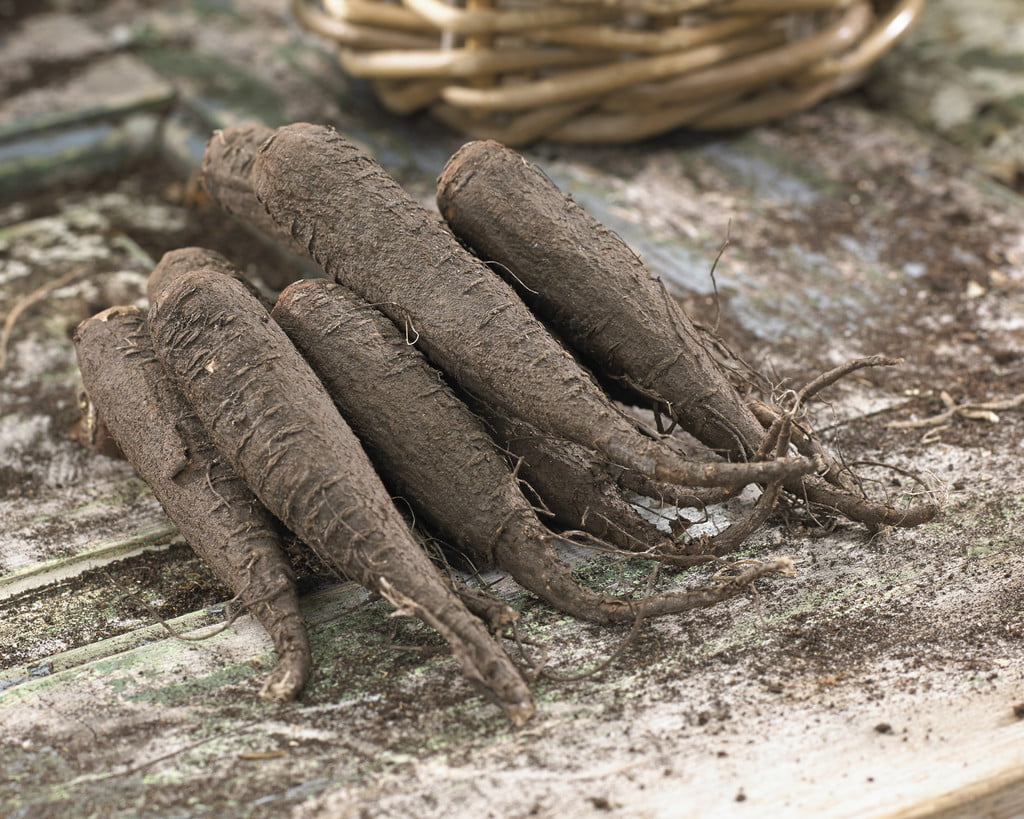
<point x="599" y="295"/>
<point x="873" y="514"/>
<point x="541" y="570"/>
<point x="215" y="511"/>
<point x="735" y="474"/>
<point x="289" y="676"/>
<point x="272" y="420"/>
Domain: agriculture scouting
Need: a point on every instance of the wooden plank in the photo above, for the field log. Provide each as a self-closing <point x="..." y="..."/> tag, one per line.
<point x="101" y="117"/>
<point x="318" y="608"/>
<point x="998" y="795"/>
<point x="64" y="568"/>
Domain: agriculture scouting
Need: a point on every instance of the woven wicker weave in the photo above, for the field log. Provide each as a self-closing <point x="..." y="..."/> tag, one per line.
<point x="606" y="70"/>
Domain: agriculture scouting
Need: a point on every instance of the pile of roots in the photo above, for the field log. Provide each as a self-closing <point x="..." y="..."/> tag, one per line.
<point x="476" y="392"/>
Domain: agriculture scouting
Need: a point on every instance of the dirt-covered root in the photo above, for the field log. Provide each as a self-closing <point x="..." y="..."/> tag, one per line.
<point x="531" y="556"/>
<point x="213" y="509"/>
<point x="91" y="431"/>
<point x="498" y="615"/>
<point x="874" y="514"/>
<point x="602" y="299"/>
<point x="419" y="435"/>
<point x="268" y="415"/>
<point x="227" y="165"/>
<point x="578" y="490"/>
<point x="184" y="260"/>
<point x="578" y="276"/>
<point x="805" y="443"/>
<point x="573" y="489"/>
<point x="370" y="235"/>
<point x="834" y="486"/>
<point x="437" y="454"/>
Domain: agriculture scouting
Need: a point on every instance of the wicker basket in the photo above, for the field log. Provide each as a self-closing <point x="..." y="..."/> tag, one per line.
<point x="606" y="70"/>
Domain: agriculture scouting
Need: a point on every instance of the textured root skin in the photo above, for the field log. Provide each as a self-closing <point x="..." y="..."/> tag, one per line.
<point x="506" y="209"/>
<point x="359" y="225"/>
<point x="225" y="171"/>
<point x="176" y="263"/>
<point x="511" y="213"/>
<point x="582" y="493"/>
<point x="834" y="491"/>
<point x="872" y="513"/>
<point x="227" y="165"/>
<point x="267" y="413"/>
<point x="498" y="616"/>
<point x="212" y="508"/>
<point x="546" y="570"/>
<point x="435" y="452"/>
<point x="403" y="412"/>
<point x="580" y="486"/>
<point x="767" y="415"/>
<point x="574" y="488"/>
<point x="671" y="494"/>
<point x="580" y="471"/>
<point x="91" y="431"/>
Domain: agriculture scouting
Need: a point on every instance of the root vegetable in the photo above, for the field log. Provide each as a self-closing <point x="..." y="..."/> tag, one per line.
<point x="583" y="492"/>
<point x="542" y="232"/>
<point x="572" y="486"/>
<point x="437" y="454"/>
<point x="235" y="157"/>
<point x="175" y="263"/>
<point x="213" y="509"/>
<point x="91" y="431"/>
<point x="214" y="379"/>
<point x="227" y="165"/>
<point x="270" y="417"/>
<point x="607" y="305"/>
<point x="365" y="231"/>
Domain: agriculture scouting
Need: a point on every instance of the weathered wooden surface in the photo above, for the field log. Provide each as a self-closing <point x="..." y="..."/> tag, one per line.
<point x="880" y="682"/>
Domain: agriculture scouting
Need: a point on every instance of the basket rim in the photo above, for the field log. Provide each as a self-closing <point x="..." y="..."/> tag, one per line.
<point x="751" y="61"/>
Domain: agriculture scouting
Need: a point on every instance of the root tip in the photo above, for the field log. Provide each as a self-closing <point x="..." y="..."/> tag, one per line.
<point x="286" y="680"/>
<point x="519" y="713"/>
